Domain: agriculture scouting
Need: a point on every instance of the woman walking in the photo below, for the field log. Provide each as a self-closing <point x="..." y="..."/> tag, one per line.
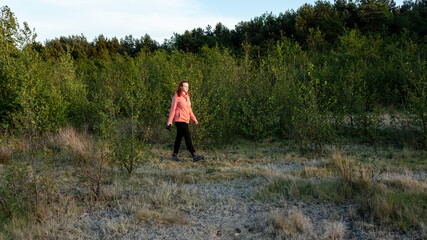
<point x="181" y="114"/>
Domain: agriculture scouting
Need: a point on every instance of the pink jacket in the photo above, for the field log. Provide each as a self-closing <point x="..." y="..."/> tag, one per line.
<point x="181" y="109"/>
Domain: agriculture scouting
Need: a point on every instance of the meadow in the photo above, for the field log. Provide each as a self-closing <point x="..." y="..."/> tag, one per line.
<point x="243" y="190"/>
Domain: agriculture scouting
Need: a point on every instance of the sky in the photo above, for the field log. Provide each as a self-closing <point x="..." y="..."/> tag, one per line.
<point x="159" y="18"/>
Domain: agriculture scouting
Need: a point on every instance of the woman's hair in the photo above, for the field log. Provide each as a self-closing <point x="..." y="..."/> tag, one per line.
<point x="179" y="89"/>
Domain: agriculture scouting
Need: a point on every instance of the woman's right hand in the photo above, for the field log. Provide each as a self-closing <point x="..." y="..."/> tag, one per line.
<point x="168" y="127"/>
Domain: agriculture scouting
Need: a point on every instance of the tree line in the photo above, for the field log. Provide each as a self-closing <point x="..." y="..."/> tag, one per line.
<point x="323" y="19"/>
<point x="321" y="23"/>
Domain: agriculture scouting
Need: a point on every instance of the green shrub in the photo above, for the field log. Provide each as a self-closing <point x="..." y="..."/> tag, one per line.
<point x="25" y="187"/>
<point x="311" y="125"/>
<point x="127" y="148"/>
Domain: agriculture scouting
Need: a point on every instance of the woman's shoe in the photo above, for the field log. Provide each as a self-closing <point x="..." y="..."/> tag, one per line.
<point x="197" y="157"/>
<point x="175" y="157"/>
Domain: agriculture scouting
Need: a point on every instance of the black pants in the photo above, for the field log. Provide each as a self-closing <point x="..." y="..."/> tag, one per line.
<point x="183" y="131"/>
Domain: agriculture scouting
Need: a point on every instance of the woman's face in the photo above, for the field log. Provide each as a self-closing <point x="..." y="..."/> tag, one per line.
<point x="185" y="87"/>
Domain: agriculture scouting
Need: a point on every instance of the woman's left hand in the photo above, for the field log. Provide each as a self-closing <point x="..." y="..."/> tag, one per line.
<point x="196" y="122"/>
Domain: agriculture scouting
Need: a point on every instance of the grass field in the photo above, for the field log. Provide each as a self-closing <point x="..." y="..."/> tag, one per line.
<point x="245" y="190"/>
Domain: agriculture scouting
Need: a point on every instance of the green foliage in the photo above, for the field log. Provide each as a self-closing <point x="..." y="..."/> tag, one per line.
<point x="310" y="112"/>
<point x="15" y="190"/>
<point x="218" y="95"/>
<point x="354" y="85"/>
<point x="41" y="103"/>
<point x="309" y="75"/>
<point x="24" y="188"/>
<point x="416" y="88"/>
<point x="12" y="39"/>
<point x="127" y="147"/>
<point x="127" y="150"/>
<point x="71" y="89"/>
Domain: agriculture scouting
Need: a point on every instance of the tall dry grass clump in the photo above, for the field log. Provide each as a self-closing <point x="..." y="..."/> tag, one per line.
<point x="355" y="176"/>
<point x="78" y="143"/>
<point x="333" y="230"/>
<point x="291" y="224"/>
<point x="5" y="153"/>
<point x="91" y="159"/>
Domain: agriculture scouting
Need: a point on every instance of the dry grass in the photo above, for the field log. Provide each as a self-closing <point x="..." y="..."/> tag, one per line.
<point x="152" y="199"/>
<point x="406" y="182"/>
<point x="146" y="215"/>
<point x="157" y="192"/>
<point x="167" y="216"/>
<point x="350" y="172"/>
<point x="314" y="172"/>
<point x="5" y="153"/>
<point x="78" y="143"/>
<point x="172" y="216"/>
<point x="169" y="195"/>
<point x="333" y="230"/>
<point x="18" y="228"/>
<point x="81" y="145"/>
<point x="91" y="159"/>
<point x="243" y="154"/>
<point x="54" y="221"/>
<point x="292" y="224"/>
<point x="113" y="229"/>
<point x="182" y="176"/>
<point x="217" y="174"/>
<point x="399" y="209"/>
<point x="397" y="203"/>
<point x="391" y="158"/>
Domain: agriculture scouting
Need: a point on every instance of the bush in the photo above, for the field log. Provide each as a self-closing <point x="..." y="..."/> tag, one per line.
<point x="25" y="188"/>
<point x="15" y="194"/>
<point x="311" y="125"/>
<point x="127" y="148"/>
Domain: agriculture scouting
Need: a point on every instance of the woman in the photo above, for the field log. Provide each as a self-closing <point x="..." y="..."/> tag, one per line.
<point x="181" y="114"/>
